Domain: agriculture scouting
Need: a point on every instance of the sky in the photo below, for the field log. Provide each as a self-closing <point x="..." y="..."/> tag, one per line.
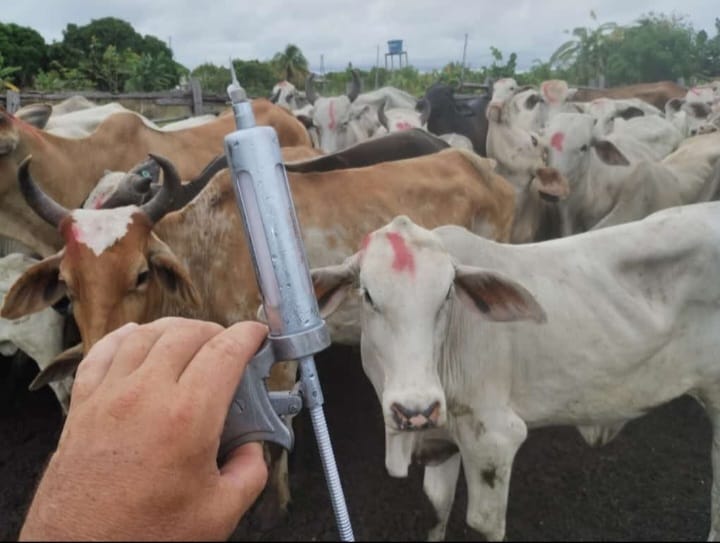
<point x="342" y="31"/>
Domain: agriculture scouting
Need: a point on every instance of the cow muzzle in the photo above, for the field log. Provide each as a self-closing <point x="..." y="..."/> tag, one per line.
<point x="409" y="419"/>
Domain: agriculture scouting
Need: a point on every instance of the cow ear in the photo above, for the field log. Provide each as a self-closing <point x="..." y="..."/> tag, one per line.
<point x="63" y="365"/>
<point x="609" y="154"/>
<point x="170" y="272"/>
<point x="332" y="284"/>
<point x="36" y="115"/>
<point x="495" y="297"/>
<point x="699" y="110"/>
<point x="37" y="288"/>
<point x="630" y="112"/>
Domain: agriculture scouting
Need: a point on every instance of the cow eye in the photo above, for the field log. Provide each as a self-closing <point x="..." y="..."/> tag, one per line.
<point x="142" y="278"/>
<point x="584" y="148"/>
<point x="368" y="299"/>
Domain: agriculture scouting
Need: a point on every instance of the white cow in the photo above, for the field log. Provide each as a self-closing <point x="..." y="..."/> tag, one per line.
<point x="593" y="169"/>
<point x="390" y="96"/>
<point x="527" y="108"/>
<point x="520" y="156"/>
<point x="687" y="116"/>
<point x="607" y="110"/>
<point x="654" y="131"/>
<point x="468" y="343"/>
<point x="339" y="123"/>
<point x="286" y="95"/>
<point x="38" y="335"/>
<point x="81" y="123"/>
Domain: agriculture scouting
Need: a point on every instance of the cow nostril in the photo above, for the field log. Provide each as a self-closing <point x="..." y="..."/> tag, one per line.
<point x="407" y="419"/>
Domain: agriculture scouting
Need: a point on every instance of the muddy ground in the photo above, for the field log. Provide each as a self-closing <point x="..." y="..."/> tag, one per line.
<point x="651" y="483"/>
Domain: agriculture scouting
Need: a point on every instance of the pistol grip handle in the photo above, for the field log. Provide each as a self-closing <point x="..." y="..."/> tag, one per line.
<point x="251" y="416"/>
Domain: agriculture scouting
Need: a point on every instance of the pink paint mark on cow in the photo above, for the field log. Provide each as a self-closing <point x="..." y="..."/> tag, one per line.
<point x="557" y="141"/>
<point x="331" y="126"/>
<point x="695" y="91"/>
<point x="404" y="259"/>
<point x="403" y="125"/>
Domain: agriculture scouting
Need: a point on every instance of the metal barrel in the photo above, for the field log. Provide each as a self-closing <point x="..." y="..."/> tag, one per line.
<point x="296" y="329"/>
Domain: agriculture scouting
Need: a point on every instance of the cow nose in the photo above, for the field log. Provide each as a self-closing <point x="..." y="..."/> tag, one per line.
<point x="409" y="419"/>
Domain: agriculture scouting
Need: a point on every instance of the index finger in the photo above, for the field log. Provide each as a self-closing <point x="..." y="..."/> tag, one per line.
<point x="213" y="375"/>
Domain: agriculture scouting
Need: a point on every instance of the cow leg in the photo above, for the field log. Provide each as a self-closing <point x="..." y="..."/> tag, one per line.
<point x="488" y="442"/>
<point x="439" y="484"/>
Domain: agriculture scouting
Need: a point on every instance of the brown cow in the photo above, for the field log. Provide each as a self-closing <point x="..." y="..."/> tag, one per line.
<point x="138" y="264"/>
<point x="656" y="94"/>
<point x="70" y="168"/>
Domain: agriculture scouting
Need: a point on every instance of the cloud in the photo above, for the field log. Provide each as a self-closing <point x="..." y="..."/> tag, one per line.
<point x="345" y="31"/>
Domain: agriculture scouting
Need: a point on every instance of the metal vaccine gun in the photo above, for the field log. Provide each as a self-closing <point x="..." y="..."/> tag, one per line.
<point x="297" y="331"/>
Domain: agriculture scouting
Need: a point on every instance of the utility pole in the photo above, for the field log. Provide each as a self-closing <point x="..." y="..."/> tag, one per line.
<point x="377" y="66"/>
<point x="462" y="69"/>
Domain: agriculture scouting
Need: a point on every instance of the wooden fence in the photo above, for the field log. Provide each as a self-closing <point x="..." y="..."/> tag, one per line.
<point x="165" y="106"/>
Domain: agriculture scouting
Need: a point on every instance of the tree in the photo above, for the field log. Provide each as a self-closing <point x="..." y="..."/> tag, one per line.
<point x="212" y="78"/>
<point x="25" y="48"/>
<point x="708" y="53"/>
<point x="112" y="54"/>
<point x="256" y="77"/>
<point x="587" y="52"/>
<point x="6" y="72"/>
<point x="291" y="64"/>
<point x="151" y="73"/>
<point x="656" y="48"/>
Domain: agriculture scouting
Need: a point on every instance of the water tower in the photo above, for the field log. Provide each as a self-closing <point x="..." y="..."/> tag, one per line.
<point x="395" y="49"/>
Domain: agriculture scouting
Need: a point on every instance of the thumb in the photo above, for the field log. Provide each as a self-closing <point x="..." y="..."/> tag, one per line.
<point x="243" y="477"/>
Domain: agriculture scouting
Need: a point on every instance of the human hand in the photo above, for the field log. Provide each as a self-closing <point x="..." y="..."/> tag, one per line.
<point x="137" y="456"/>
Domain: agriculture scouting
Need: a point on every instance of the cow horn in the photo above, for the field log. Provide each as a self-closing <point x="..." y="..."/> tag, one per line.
<point x="425" y="111"/>
<point x="45" y="207"/>
<point x="163" y="202"/>
<point x="189" y="190"/>
<point x="355" y="87"/>
<point x="382" y="117"/>
<point x="275" y="97"/>
<point x="310" y="93"/>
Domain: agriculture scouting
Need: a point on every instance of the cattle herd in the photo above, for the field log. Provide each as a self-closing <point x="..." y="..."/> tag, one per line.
<point x="525" y="258"/>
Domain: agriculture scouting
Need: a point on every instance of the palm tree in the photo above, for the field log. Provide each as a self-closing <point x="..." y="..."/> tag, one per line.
<point x="587" y="52"/>
<point x="291" y="64"/>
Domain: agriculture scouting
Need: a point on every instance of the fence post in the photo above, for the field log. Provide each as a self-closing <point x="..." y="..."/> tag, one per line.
<point x="197" y="106"/>
<point x="12" y="101"/>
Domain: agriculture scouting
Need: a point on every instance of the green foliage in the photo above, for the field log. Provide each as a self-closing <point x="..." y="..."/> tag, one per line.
<point x="58" y="78"/>
<point x="656" y="48"/>
<point x="213" y="79"/>
<point x="257" y="78"/>
<point x="151" y="73"/>
<point x="6" y="72"/>
<point x="586" y="54"/>
<point x="111" y="54"/>
<point x="22" y="47"/>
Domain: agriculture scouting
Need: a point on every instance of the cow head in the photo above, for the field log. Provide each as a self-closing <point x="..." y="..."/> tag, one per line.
<point x="572" y="144"/>
<point x="339" y="124"/>
<point x="523" y="107"/>
<point x="399" y="119"/>
<point x="409" y="285"/>
<point x="113" y="268"/>
<point x="285" y="95"/>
